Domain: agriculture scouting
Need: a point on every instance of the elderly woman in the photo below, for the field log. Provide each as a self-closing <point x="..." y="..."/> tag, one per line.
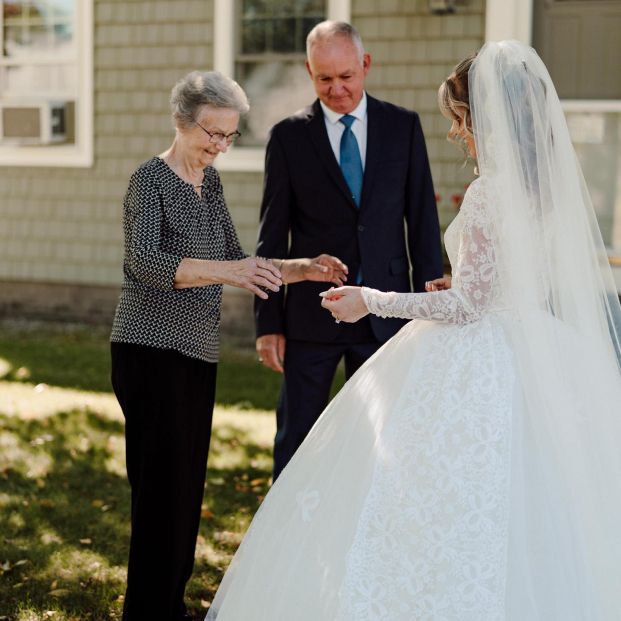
<point x="180" y="248"/>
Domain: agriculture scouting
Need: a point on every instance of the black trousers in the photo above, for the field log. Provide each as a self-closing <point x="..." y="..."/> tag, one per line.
<point x="305" y="391"/>
<point x="167" y="400"/>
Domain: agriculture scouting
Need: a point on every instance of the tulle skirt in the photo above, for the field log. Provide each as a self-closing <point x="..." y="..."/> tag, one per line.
<point x="433" y="488"/>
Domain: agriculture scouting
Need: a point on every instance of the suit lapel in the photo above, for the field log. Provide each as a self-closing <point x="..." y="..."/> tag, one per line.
<point x="374" y="137"/>
<point x="319" y="138"/>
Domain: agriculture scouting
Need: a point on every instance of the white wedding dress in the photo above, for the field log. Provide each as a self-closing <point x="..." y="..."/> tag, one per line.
<point x="415" y="496"/>
<point x="470" y="470"/>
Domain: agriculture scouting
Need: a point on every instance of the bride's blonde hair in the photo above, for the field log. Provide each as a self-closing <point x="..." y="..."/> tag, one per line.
<point x="454" y="97"/>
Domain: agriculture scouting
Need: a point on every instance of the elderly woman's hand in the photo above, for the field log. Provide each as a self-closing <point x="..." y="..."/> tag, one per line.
<point x="345" y="303"/>
<point x="324" y="268"/>
<point x="254" y="273"/>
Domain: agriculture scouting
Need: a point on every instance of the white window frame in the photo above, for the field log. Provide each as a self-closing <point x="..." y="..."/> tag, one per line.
<point x="79" y="154"/>
<point x="237" y="158"/>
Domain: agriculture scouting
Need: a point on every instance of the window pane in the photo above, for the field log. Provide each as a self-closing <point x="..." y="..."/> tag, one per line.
<point x="284" y="35"/>
<point x="276" y="90"/>
<point x="278" y="26"/>
<point x="254" y="36"/>
<point x="270" y="61"/>
<point x="37" y="30"/>
<point x="597" y="140"/>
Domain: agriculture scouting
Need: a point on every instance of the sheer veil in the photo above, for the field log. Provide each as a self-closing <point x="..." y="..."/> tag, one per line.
<point x="565" y="328"/>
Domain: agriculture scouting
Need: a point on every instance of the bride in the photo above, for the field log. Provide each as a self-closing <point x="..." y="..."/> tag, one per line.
<point x="470" y="470"/>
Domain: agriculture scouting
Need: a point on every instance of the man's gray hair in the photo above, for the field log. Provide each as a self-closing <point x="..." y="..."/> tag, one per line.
<point x="200" y="88"/>
<point x="324" y="31"/>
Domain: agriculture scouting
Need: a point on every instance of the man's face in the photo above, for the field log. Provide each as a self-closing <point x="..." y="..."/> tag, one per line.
<point x="337" y="73"/>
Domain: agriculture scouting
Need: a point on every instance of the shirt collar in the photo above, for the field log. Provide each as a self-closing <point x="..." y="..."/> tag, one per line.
<point x="359" y="112"/>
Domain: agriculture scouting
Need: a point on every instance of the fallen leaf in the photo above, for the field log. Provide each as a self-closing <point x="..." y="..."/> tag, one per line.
<point x="86" y="541"/>
<point x="22" y="373"/>
<point x="59" y="592"/>
<point x="205" y="603"/>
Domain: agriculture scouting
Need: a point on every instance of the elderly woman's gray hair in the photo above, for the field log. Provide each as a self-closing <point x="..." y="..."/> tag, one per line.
<point x="324" y="31"/>
<point x="200" y="88"/>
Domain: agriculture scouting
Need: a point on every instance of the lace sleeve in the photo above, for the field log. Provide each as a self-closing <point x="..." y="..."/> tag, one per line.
<point x="474" y="276"/>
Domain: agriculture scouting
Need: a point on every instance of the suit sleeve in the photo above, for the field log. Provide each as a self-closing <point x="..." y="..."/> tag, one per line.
<point x="273" y="239"/>
<point x="423" y="228"/>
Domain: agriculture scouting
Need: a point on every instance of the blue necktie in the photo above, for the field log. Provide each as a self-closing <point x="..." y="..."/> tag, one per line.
<point x="351" y="164"/>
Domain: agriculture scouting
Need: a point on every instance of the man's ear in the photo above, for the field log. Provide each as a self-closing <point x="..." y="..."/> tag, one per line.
<point x="366" y="63"/>
<point x="308" y="68"/>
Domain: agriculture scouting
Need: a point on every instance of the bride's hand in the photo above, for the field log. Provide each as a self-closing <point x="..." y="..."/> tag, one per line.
<point x="345" y="303"/>
<point x="439" y="284"/>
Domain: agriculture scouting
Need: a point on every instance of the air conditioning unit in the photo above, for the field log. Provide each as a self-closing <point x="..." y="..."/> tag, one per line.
<point x="30" y="122"/>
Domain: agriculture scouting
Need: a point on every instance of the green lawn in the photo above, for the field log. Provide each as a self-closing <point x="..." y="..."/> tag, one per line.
<point x="64" y="499"/>
<point x="78" y="357"/>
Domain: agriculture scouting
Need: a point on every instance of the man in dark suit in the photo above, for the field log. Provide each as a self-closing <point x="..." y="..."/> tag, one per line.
<point x="348" y="176"/>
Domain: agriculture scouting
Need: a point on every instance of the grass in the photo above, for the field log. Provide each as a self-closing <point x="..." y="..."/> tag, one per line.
<point x="64" y="498"/>
<point x="78" y="357"/>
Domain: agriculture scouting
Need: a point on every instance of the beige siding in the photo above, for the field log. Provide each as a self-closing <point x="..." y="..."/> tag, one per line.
<point x="412" y="52"/>
<point x="62" y="227"/>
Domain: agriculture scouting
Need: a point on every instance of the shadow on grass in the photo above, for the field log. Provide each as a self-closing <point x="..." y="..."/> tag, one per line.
<point x="79" y="357"/>
<point x="65" y="510"/>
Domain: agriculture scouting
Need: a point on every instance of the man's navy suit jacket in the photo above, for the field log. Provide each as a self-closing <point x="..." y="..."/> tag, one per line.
<point x="307" y="210"/>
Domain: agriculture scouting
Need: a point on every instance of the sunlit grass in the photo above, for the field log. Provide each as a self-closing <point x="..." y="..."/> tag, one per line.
<point x="64" y="503"/>
<point x="64" y="498"/>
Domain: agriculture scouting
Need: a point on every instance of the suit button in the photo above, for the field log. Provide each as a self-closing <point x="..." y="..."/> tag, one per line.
<point x="360" y="228"/>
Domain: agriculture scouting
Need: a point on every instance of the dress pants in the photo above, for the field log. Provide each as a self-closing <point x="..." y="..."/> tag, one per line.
<point x="167" y="399"/>
<point x="305" y="392"/>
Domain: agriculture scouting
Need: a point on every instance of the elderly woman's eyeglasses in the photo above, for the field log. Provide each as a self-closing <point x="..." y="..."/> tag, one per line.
<point x="217" y="137"/>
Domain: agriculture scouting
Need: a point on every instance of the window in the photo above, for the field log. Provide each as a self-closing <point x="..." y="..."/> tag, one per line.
<point x="262" y="43"/>
<point x="595" y="129"/>
<point x="271" y="42"/>
<point x="46" y="82"/>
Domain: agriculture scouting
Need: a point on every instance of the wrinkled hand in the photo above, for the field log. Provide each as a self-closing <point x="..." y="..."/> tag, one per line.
<point x="439" y="284"/>
<point x="345" y="303"/>
<point x="252" y="274"/>
<point x="271" y="350"/>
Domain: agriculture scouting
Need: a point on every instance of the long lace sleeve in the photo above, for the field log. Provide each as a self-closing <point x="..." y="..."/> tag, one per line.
<point x="474" y="276"/>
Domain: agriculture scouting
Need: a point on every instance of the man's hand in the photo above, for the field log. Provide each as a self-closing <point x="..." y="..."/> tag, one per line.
<point x="323" y="268"/>
<point x="439" y="284"/>
<point x="271" y="350"/>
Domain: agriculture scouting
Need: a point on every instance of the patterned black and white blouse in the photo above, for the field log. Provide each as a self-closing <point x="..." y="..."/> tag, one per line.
<point x="165" y="221"/>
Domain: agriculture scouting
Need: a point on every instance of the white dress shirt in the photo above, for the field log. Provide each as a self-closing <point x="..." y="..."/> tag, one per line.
<point x="336" y="129"/>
